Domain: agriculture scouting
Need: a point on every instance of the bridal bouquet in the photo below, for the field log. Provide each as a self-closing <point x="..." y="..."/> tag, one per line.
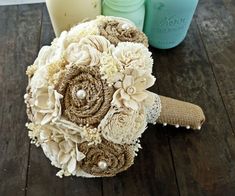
<point x="87" y="98"/>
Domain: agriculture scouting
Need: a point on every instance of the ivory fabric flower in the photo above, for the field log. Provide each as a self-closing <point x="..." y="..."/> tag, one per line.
<point x="50" y="54"/>
<point x="135" y="56"/>
<point x="59" y="145"/>
<point x="45" y="105"/>
<point x="110" y="68"/>
<point x="131" y="91"/>
<point x="80" y="31"/>
<point x="123" y="126"/>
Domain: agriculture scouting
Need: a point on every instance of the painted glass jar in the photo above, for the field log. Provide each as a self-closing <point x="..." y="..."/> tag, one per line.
<point x="65" y="14"/>
<point x="133" y="10"/>
<point x="167" y="21"/>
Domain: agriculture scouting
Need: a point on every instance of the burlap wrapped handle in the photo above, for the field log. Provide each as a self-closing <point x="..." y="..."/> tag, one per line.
<point x="180" y="114"/>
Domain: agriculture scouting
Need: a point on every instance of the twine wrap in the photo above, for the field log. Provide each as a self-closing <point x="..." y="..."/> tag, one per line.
<point x="175" y="112"/>
<point x="118" y="158"/>
<point x="95" y="105"/>
<point x="116" y="31"/>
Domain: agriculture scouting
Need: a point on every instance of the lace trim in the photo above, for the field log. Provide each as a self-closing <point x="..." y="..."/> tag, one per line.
<point x="153" y="112"/>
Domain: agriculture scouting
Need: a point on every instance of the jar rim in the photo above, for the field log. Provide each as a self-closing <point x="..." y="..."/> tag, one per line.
<point x="125" y="7"/>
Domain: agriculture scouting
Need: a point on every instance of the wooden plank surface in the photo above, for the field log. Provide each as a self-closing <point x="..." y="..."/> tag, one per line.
<point x="172" y="161"/>
<point x="217" y="28"/>
<point x="19" y="36"/>
<point x="204" y="161"/>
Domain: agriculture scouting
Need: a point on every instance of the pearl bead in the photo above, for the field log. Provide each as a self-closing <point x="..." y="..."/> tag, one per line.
<point x="177" y="126"/>
<point x="81" y="94"/>
<point x="164" y="124"/>
<point x="199" y="128"/>
<point x="102" y="165"/>
<point x="125" y="26"/>
<point x="26" y="96"/>
<point x="188" y="127"/>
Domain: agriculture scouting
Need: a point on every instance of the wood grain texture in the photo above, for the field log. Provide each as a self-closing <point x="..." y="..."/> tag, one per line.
<point x="42" y="179"/>
<point x="203" y="161"/>
<point x="217" y="28"/>
<point x="19" y="35"/>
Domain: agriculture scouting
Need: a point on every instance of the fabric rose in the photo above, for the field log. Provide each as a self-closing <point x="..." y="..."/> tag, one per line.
<point x="131" y="91"/>
<point x="97" y="42"/>
<point x="87" y="98"/>
<point x="58" y="131"/>
<point x="50" y="54"/>
<point x="88" y="50"/>
<point x="116" y="30"/>
<point x="123" y="126"/>
<point x="114" y="158"/>
<point x="80" y="31"/>
<point x="44" y="105"/>
<point x="59" y="144"/>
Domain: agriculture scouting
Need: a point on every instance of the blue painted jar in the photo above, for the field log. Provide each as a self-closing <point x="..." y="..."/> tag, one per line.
<point x="133" y="10"/>
<point x="167" y="21"/>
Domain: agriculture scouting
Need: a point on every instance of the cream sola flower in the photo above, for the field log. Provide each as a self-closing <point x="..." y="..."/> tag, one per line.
<point x="131" y="90"/>
<point x="123" y="126"/>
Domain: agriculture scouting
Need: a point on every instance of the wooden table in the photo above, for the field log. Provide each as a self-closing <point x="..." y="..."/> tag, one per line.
<point x="172" y="161"/>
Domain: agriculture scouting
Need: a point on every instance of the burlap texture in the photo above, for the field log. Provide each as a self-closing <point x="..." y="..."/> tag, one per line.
<point x="118" y="158"/>
<point x="97" y="102"/>
<point x="175" y="112"/>
<point x="115" y="33"/>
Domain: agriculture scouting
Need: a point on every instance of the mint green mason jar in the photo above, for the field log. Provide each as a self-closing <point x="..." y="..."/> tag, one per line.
<point x="133" y="10"/>
<point x="167" y="21"/>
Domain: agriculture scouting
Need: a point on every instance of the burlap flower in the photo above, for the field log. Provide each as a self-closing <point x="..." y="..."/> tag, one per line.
<point x="123" y="126"/>
<point x="116" y="31"/>
<point x="91" y="108"/>
<point x="114" y="158"/>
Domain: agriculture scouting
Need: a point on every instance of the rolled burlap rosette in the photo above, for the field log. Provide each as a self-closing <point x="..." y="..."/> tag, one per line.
<point x="88" y="102"/>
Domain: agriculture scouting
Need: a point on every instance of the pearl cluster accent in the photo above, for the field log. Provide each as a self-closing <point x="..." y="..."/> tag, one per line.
<point x="81" y="94"/>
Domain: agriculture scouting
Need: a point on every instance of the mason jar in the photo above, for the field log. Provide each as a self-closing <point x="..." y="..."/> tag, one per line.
<point x="65" y="14"/>
<point x="133" y="10"/>
<point x="167" y="21"/>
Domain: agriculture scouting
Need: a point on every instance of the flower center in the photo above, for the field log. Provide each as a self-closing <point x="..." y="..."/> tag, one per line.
<point x="131" y="90"/>
<point x="81" y="94"/>
<point x="102" y="165"/>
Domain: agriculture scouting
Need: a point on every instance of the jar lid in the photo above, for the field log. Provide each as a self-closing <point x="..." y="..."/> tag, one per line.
<point x="124" y="5"/>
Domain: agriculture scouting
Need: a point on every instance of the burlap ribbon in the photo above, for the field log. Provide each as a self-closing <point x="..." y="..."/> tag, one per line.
<point x="175" y="112"/>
